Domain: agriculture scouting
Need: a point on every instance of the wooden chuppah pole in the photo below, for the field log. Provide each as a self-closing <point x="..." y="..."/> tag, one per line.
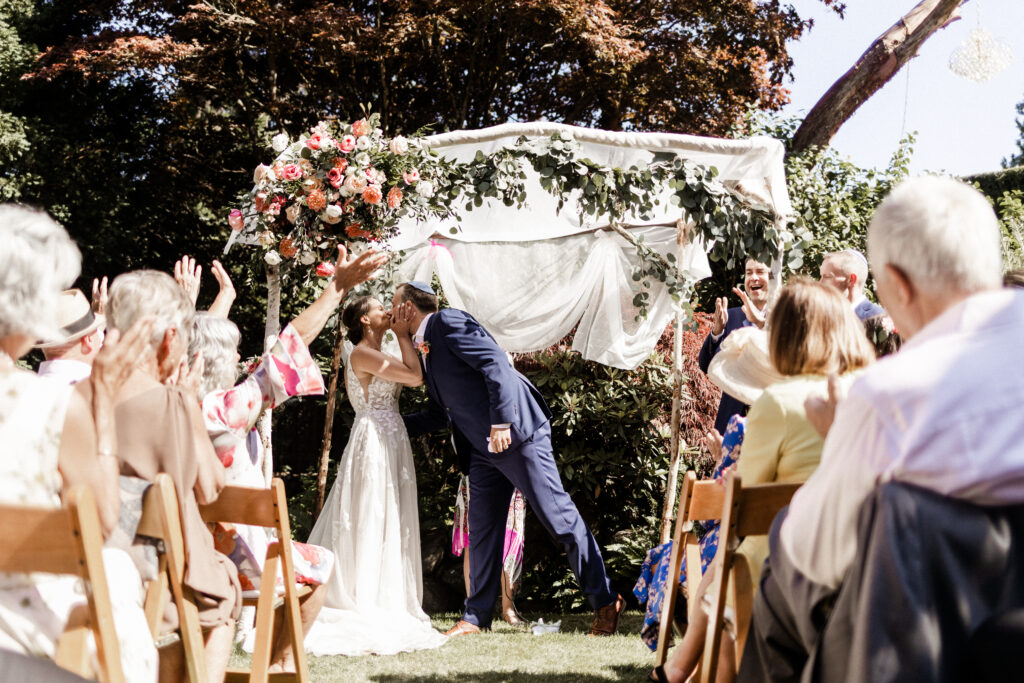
<point x="332" y="396"/>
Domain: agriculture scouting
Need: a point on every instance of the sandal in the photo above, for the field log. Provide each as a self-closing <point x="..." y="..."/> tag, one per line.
<point x="658" y="675"/>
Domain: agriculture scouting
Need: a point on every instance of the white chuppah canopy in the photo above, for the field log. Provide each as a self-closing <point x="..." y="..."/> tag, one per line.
<point x="531" y="274"/>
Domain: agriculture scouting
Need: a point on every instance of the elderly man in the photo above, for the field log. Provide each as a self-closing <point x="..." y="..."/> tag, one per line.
<point x="754" y="297"/>
<point x="69" y="359"/>
<point x="847" y="271"/>
<point x="943" y="414"/>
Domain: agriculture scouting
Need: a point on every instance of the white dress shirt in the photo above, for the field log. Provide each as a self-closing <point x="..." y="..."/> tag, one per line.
<point x="64" y="370"/>
<point x="944" y="414"/>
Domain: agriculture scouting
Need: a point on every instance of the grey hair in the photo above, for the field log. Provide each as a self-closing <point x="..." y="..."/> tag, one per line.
<point x="143" y="293"/>
<point x="38" y="260"/>
<point x="851" y="264"/>
<point x="942" y="233"/>
<point x="217" y="339"/>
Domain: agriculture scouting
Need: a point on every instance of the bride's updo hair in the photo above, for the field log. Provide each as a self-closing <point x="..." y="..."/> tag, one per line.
<point x="351" y="315"/>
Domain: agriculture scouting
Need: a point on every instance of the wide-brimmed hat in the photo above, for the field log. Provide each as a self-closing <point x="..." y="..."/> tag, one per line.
<point x="75" y="319"/>
<point x="742" y="367"/>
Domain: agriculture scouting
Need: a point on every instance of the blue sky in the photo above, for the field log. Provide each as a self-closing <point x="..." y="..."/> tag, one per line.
<point x="962" y="127"/>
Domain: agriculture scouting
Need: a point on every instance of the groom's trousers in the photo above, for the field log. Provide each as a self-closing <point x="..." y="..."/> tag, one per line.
<point x="530" y="467"/>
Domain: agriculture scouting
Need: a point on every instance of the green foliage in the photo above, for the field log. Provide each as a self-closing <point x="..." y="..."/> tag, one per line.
<point x="1010" y="207"/>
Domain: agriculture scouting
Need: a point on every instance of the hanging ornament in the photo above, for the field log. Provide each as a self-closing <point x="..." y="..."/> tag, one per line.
<point x="982" y="56"/>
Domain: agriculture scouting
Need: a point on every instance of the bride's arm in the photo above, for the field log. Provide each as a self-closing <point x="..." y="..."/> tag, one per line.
<point x="405" y="370"/>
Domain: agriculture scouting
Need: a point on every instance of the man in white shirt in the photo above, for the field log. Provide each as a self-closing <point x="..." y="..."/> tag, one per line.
<point x="69" y="359"/>
<point x="942" y="414"/>
<point x="847" y="271"/>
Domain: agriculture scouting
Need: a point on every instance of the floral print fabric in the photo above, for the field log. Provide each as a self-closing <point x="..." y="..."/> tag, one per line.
<point x="653" y="581"/>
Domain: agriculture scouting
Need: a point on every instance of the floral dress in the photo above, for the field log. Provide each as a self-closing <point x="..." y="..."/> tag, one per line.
<point x="515" y="532"/>
<point x="286" y="370"/>
<point x="651" y="586"/>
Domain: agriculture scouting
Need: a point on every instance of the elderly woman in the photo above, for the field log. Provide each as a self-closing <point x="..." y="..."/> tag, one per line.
<point x="812" y="333"/>
<point x="56" y="437"/>
<point x="230" y="412"/>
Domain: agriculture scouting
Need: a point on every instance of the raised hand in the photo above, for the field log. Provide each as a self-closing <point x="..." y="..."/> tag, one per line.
<point x="822" y="411"/>
<point x="351" y="272"/>
<point x="117" y="359"/>
<point x="187" y="273"/>
<point x="721" y="317"/>
<point x="226" y="296"/>
<point x="99" y="296"/>
<point x="755" y="317"/>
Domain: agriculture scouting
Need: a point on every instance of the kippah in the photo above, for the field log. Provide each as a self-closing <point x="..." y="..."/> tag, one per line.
<point x="422" y="286"/>
<point x="857" y="254"/>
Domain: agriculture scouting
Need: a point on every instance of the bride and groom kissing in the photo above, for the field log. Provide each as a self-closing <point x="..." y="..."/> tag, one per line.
<point x="502" y="436"/>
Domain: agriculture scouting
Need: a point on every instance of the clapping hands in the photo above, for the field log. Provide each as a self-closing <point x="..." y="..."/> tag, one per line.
<point x="755" y="316"/>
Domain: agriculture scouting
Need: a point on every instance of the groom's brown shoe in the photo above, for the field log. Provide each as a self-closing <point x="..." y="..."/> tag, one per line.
<point x="606" y="619"/>
<point x="463" y="628"/>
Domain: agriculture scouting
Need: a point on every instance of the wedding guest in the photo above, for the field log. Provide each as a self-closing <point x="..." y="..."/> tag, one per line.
<point x="941" y="414"/>
<point x="69" y="356"/>
<point x="847" y="271"/>
<point x="230" y="412"/>
<point x="754" y="297"/>
<point x="56" y="437"/>
<point x="883" y="335"/>
<point x="188" y="273"/>
<point x="812" y="333"/>
<point x="160" y="429"/>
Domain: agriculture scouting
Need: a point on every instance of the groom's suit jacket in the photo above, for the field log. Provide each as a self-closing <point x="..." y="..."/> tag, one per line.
<point x="472" y="385"/>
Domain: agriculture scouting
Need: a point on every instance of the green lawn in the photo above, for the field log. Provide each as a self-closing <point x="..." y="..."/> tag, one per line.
<point x="503" y="654"/>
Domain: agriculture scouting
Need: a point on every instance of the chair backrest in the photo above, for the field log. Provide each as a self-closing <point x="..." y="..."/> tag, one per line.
<point x="66" y="540"/>
<point x="746" y="511"/>
<point x="161" y="520"/>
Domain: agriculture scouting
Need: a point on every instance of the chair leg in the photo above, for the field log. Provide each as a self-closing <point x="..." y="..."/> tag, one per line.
<point x="73" y="645"/>
<point x="264" y="635"/>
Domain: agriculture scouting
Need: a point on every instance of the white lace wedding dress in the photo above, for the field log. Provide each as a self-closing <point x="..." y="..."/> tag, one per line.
<point x="371" y="523"/>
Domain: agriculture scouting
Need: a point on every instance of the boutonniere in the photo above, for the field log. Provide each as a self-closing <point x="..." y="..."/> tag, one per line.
<point x="423" y="347"/>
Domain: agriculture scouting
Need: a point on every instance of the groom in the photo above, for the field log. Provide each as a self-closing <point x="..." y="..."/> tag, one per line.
<point x="500" y="425"/>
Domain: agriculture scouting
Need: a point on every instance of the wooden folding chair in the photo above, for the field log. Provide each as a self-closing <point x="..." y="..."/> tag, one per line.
<point x="67" y="540"/>
<point x="266" y="508"/>
<point x="745" y="512"/>
<point x="698" y="501"/>
<point x="161" y="520"/>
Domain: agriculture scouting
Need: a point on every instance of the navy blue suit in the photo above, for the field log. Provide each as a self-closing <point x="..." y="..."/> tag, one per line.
<point x="729" y="405"/>
<point x="472" y="386"/>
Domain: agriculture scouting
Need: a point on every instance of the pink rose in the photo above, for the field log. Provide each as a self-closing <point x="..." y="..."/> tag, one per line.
<point x="347" y="144"/>
<point x="291" y="172"/>
<point x="372" y="195"/>
<point x="236" y="221"/>
<point x="314" y="142"/>
<point x="325" y="269"/>
<point x="411" y="176"/>
<point x="394" y="197"/>
<point x="360" y="128"/>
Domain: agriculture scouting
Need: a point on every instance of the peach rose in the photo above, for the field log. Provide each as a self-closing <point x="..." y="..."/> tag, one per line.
<point x="316" y="201"/>
<point x="355" y="184"/>
<point x="398" y="145"/>
<point x="306" y="165"/>
<point x="278" y="169"/>
<point x="356" y="231"/>
<point x="360" y="128"/>
<point x="262" y="174"/>
<point x="411" y="176"/>
<point x="372" y="195"/>
<point x="287" y="248"/>
<point x="292" y="212"/>
<point x="261" y="202"/>
<point x="394" y="197"/>
<point x="340" y="164"/>
<point x="311" y="184"/>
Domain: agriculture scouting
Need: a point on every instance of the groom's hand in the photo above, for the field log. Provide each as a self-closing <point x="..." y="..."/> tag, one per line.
<point x="501" y="438"/>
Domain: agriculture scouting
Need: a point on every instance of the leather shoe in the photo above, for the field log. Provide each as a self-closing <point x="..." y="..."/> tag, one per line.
<point x="463" y="628"/>
<point x="606" y="619"/>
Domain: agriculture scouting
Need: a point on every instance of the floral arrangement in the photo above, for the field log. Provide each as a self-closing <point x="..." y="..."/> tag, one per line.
<point x="338" y="183"/>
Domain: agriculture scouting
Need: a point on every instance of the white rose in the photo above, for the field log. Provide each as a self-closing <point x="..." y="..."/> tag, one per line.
<point x="262" y="174"/>
<point x="398" y="145"/>
<point x="363" y="142"/>
<point x="355" y="184"/>
<point x="363" y="159"/>
<point x="424" y="188"/>
<point x="293" y="211"/>
<point x="280" y="142"/>
<point x="272" y="258"/>
<point x="306" y="258"/>
<point x="379" y="177"/>
<point x="332" y="214"/>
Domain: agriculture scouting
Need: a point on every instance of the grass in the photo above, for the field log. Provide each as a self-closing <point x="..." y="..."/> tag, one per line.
<point x="503" y="654"/>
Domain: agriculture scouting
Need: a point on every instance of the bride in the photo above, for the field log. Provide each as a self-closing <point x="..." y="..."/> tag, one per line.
<point x="370" y="518"/>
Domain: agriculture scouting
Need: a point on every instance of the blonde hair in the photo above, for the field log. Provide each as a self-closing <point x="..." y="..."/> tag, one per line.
<point x="812" y="330"/>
